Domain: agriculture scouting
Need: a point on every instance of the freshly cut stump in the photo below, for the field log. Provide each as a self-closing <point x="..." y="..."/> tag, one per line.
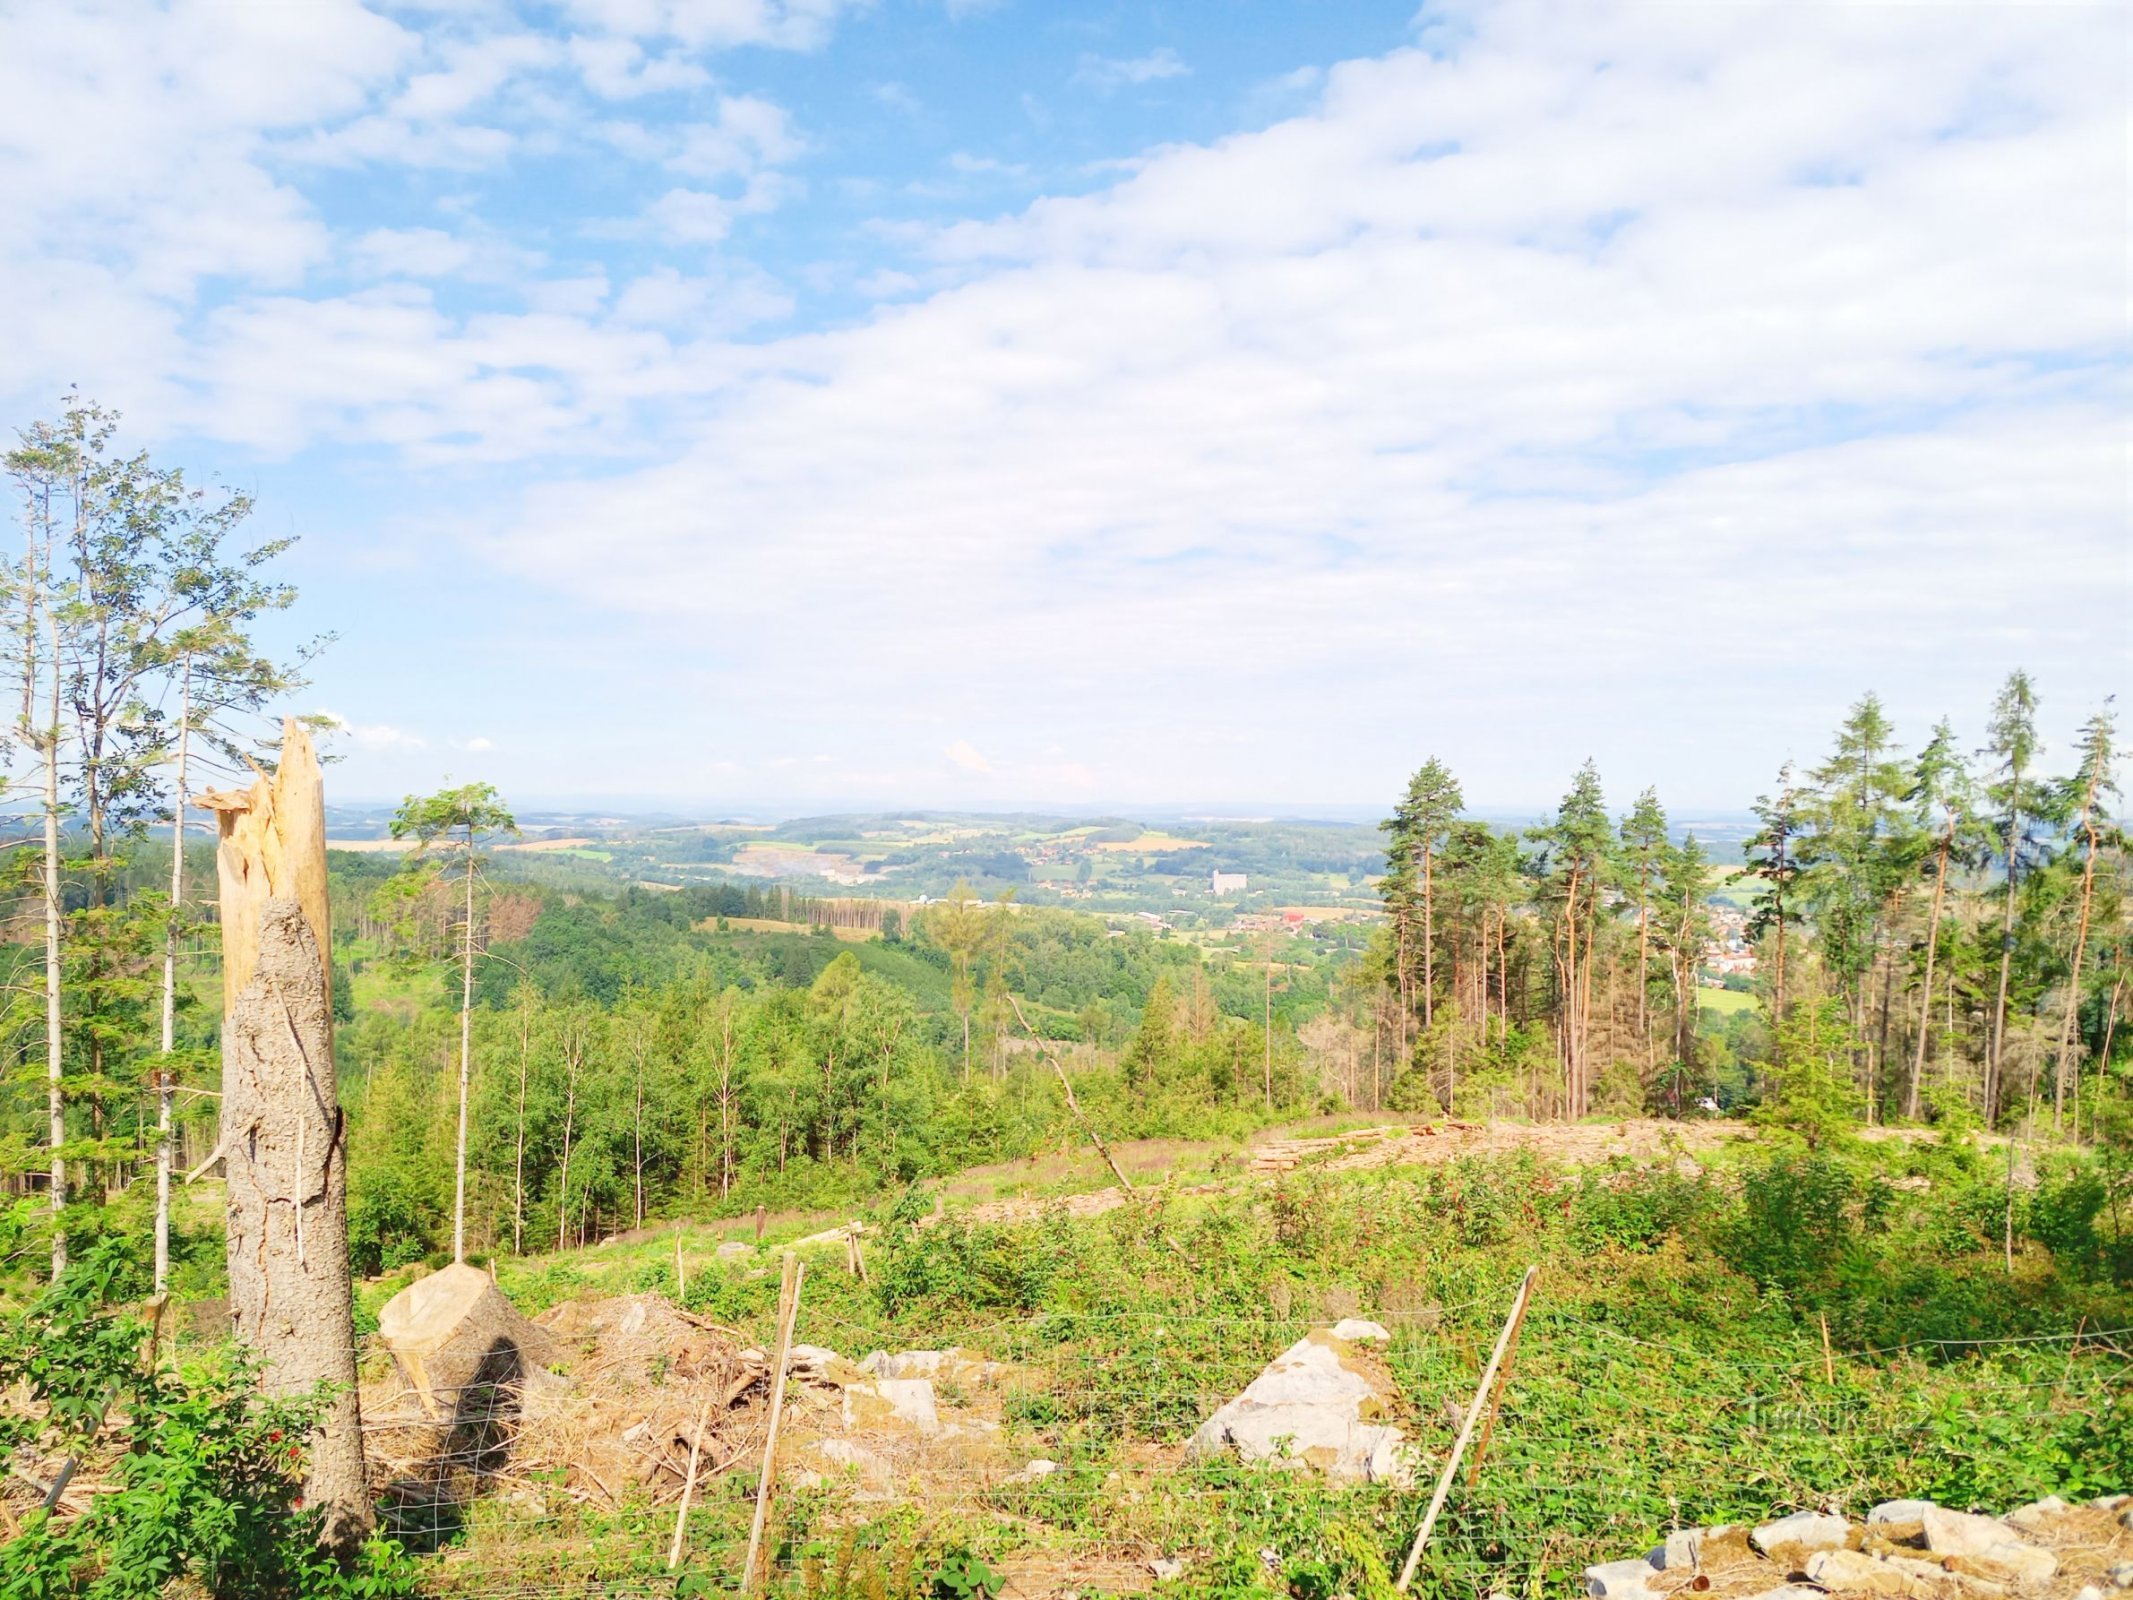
<point x="453" y="1333"/>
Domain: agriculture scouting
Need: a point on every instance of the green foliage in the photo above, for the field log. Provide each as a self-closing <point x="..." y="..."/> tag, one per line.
<point x="963" y="1575"/>
<point x="206" y="1483"/>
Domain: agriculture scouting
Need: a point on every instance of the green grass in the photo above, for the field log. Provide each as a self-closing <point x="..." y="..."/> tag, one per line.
<point x="1671" y="1371"/>
<point x="1725" y="1001"/>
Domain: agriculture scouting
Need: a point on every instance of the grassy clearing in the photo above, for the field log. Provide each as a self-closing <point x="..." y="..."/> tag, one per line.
<point x="1725" y="1002"/>
<point x="1672" y="1370"/>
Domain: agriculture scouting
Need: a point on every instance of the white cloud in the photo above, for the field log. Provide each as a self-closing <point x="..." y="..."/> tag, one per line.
<point x="965" y="755"/>
<point x="691" y="216"/>
<point x="374" y="736"/>
<point x="619" y="69"/>
<point x="1596" y="358"/>
<point x="719" y="24"/>
<point x="986" y="166"/>
<point x="1106" y="73"/>
<point x="749" y="134"/>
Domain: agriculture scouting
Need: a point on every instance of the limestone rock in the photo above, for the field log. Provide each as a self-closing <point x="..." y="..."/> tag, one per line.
<point x="2122" y="1575"/>
<point x="1359" y="1330"/>
<point x="1037" y="1471"/>
<point x="1985" y="1548"/>
<point x="2037" y="1515"/>
<point x="1621" y="1580"/>
<point x="1803" y="1531"/>
<point x="1165" y="1568"/>
<point x="1895" y="1517"/>
<point x="1315" y="1405"/>
<point x="809" y="1360"/>
<point x="906" y="1402"/>
<point x="850" y="1457"/>
<point x="453" y="1333"/>
<point x="2109" y="1502"/>
<point x="1685" y="1547"/>
<point x="1852" y="1572"/>
<point x="1790" y="1591"/>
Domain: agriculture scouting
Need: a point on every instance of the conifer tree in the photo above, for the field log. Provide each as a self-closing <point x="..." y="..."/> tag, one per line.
<point x="1943" y="803"/>
<point x="2011" y="742"/>
<point x="2086" y="792"/>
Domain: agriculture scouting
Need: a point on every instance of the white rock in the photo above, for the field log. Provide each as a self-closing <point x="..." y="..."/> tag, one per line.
<point x="1313" y="1407"/>
<point x="853" y="1457"/>
<point x="2037" y="1514"/>
<point x="809" y="1360"/>
<point x="1037" y="1471"/>
<point x="1359" y="1330"/>
<point x="1804" y="1530"/>
<point x="2088" y="1591"/>
<point x="1897" y="1513"/>
<point x="908" y="1401"/>
<point x="912" y="1364"/>
<point x="1621" y="1580"/>
<point x="2109" y="1502"/>
<point x="1681" y="1549"/>
<point x="1790" y="1591"/>
<point x="1989" y="1544"/>
<point x="734" y="1249"/>
<point x="1166" y="1568"/>
<point x="873" y="1363"/>
<point x="2122" y="1575"/>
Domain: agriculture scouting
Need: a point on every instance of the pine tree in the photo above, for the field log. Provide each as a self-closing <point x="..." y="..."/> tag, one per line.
<point x="1576" y="848"/>
<point x="2011" y="742"/>
<point x="1644" y="857"/>
<point x="1943" y="801"/>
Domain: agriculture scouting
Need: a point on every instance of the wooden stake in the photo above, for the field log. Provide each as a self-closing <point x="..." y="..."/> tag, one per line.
<point x="1829" y="1362"/>
<point x="696" y="1451"/>
<point x="1073" y="1105"/>
<point x="681" y="1277"/>
<point x="1503" y="1379"/>
<point x="766" y="1487"/>
<point x="1466" y="1431"/>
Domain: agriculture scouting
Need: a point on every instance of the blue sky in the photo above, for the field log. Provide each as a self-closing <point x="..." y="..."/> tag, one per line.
<point x="723" y="404"/>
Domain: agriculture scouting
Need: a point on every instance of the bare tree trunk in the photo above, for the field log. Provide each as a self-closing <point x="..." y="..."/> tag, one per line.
<point x="166" y="1078"/>
<point x="54" y="1036"/>
<point x="2081" y="947"/>
<point x="518" y="1155"/>
<point x="466" y="1064"/>
<point x="637" y="1150"/>
<point x="1997" y="1039"/>
<point x="1429" y="943"/>
<point x="284" y="1154"/>
<point x="570" y="1118"/>
<point x="1925" y="1002"/>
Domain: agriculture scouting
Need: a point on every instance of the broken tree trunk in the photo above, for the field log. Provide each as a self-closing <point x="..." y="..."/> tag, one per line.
<point x="284" y="1153"/>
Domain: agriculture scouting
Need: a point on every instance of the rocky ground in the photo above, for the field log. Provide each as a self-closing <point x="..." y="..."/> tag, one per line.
<point x="1908" y="1549"/>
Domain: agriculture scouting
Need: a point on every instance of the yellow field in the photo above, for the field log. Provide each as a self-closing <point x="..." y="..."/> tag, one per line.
<point x="1153" y="841"/>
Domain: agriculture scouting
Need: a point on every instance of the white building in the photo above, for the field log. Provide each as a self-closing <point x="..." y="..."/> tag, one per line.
<point x="1226" y="883"/>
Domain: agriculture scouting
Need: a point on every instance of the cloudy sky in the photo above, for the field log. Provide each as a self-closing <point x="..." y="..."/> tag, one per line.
<point x="737" y="403"/>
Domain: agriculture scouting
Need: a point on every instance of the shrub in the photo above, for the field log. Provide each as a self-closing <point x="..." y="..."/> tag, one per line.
<point x="206" y="1488"/>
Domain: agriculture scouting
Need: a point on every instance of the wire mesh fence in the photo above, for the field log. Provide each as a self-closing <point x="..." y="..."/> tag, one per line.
<point x="1059" y="1445"/>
